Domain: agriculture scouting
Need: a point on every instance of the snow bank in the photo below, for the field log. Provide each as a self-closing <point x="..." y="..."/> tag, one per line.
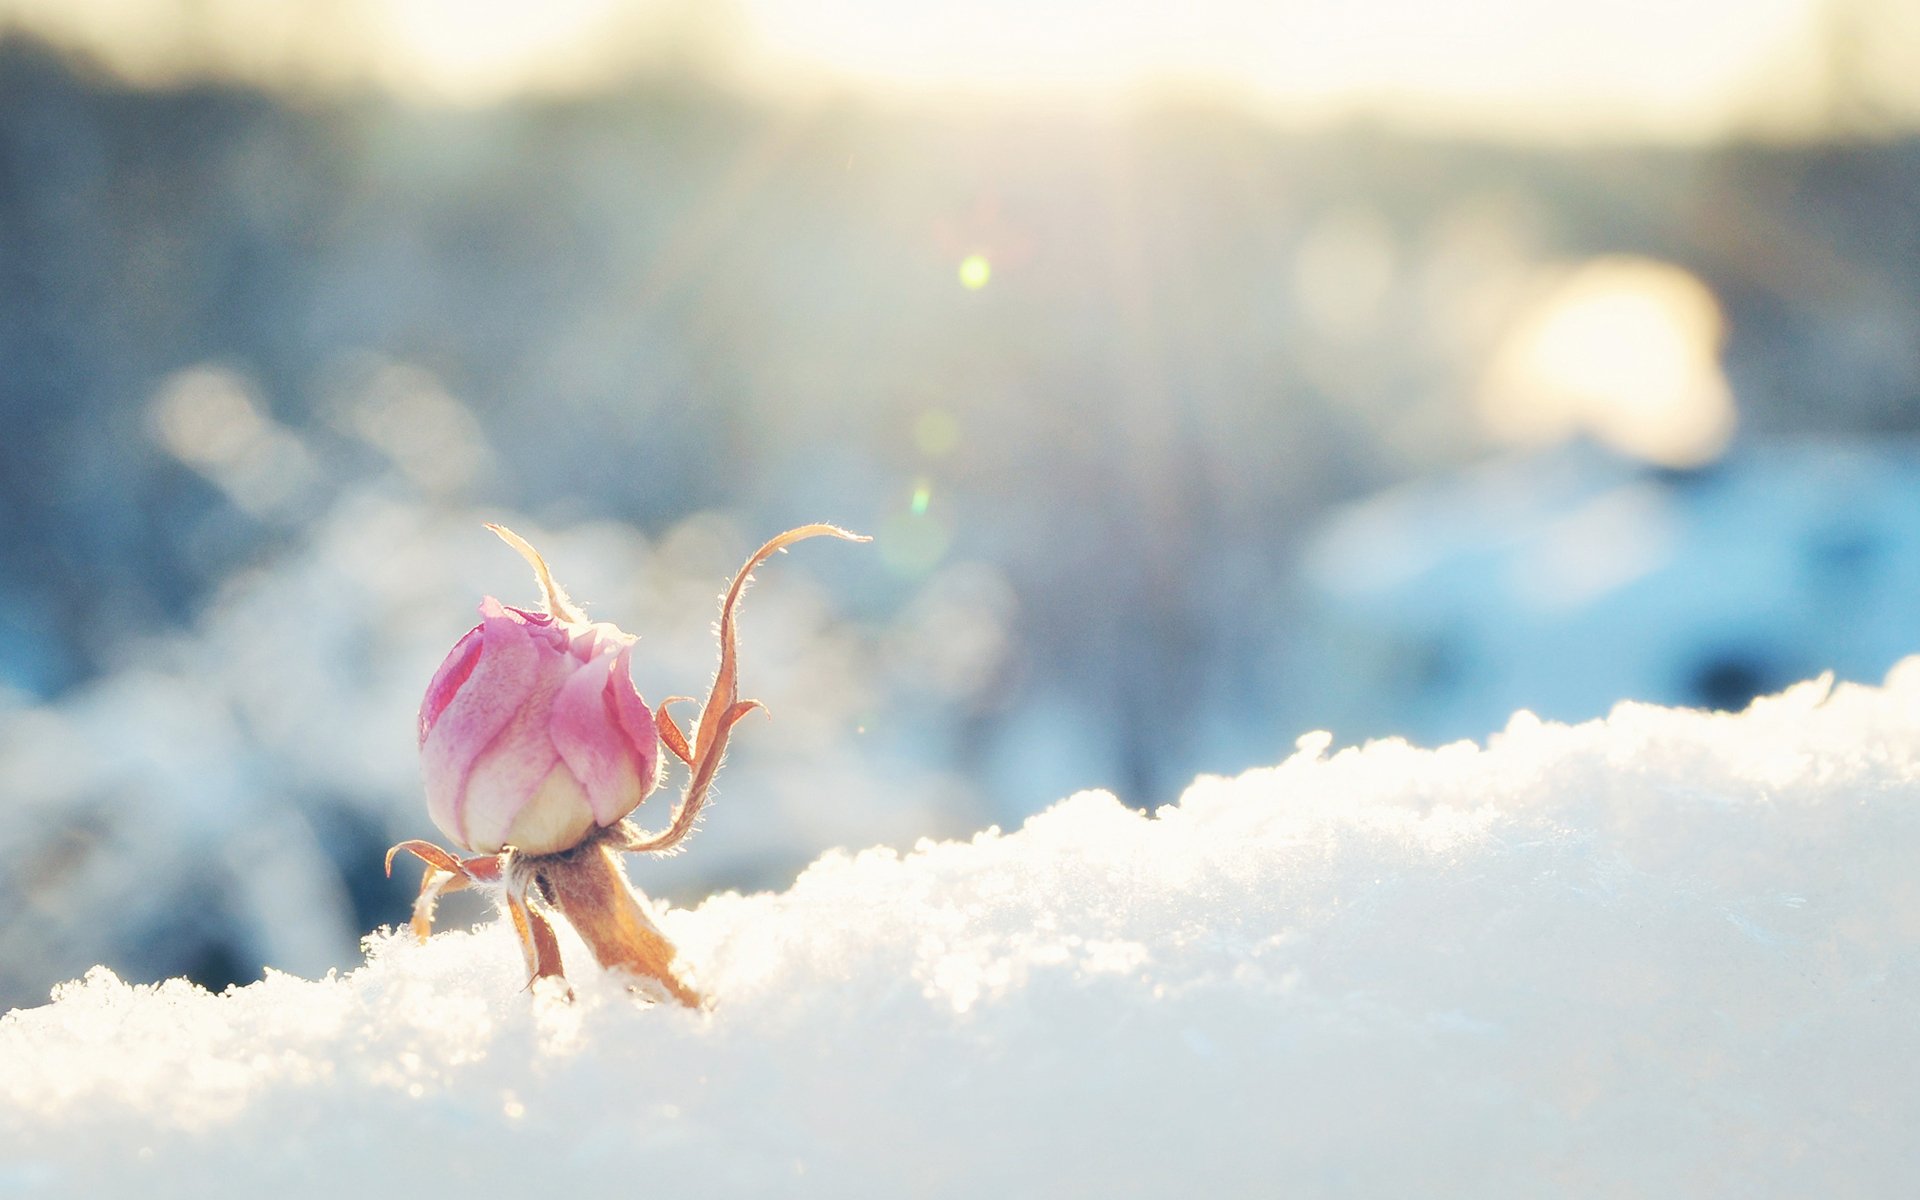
<point x="1668" y="953"/>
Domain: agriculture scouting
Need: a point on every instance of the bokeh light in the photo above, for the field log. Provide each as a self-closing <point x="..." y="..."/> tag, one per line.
<point x="208" y="417"/>
<point x="975" y="271"/>
<point x="1625" y="350"/>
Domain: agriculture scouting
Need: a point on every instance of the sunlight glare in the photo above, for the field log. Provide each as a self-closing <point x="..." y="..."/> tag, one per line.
<point x="1513" y="67"/>
<point x="476" y="50"/>
<point x="1518" y="65"/>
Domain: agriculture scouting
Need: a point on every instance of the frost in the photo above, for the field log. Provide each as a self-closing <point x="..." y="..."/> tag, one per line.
<point x="1666" y="953"/>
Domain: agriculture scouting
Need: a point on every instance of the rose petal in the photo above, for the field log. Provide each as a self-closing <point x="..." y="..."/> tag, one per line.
<point x="496" y="684"/>
<point x="447" y="680"/>
<point x="508" y="773"/>
<point x="613" y="766"/>
<point x="634" y="718"/>
<point x="557" y="817"/>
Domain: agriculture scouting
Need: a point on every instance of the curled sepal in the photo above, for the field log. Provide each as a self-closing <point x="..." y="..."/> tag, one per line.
<point x="676" y="742"/>
<point x="426" y="852"/>
<point x="723" y="709"/>
<point x="434" y="883"/>
<point x="444" y="874"/>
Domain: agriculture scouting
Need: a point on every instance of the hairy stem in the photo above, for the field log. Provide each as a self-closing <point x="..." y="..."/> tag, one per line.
<point x="724" y="707"/>
<point x="589" y="887"/>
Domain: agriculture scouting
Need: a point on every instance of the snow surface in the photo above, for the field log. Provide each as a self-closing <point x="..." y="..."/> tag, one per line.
<point x="1667" y="953"/>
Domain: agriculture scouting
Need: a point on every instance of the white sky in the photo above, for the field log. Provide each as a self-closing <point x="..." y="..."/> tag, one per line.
<point x="1505" y="67"/>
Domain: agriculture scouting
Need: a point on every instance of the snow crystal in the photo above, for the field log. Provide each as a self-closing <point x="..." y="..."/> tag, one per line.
<point x="1667" y="953"/>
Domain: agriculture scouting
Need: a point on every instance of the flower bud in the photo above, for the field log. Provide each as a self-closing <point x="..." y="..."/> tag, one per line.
<point x="532" y="734"/>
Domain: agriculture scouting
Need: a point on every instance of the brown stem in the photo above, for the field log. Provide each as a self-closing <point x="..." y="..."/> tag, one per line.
<point x="589" y="887"/>
<point x="537" y="942"/>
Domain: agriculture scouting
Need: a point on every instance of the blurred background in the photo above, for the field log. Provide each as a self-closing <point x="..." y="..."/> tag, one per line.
<point x="1205" y="379"/>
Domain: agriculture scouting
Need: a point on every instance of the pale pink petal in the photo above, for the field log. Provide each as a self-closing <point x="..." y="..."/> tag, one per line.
<point x="583" y="642"/>
<point x="631" y="712"/>
<point x="480" y="705"/>
<point x="591" y="740"/>
<point x="509" y="771"/>
<point x="542" y="627"/>
<point x="588" y="642"/>
<point x="556" y="820"/>
<point x="447" y="680"/>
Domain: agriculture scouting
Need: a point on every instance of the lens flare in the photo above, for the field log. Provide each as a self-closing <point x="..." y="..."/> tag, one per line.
<point x="975" y="270"/>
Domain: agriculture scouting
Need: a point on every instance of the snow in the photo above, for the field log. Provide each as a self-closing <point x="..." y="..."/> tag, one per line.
<point x="1665" y="953"/>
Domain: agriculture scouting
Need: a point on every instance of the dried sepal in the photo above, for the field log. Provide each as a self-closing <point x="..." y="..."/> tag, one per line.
<point x="723" y="709"/>
<point x="434" y="883"/>
<point x="444" y="874"/>
<point x="426" y="852"/>
<point x="670" y="735"/>
<point x="559" y="604"/>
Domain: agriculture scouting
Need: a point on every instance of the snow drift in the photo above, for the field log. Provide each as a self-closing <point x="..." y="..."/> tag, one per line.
<point x="1667" y="953"/>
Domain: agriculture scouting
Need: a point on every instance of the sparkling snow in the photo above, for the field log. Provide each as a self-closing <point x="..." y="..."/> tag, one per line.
<point x="1668" y="953"/>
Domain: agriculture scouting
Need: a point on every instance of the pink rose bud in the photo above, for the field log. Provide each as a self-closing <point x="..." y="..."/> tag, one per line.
<point x="532" y="734"/>
<point x="534" y="740"/>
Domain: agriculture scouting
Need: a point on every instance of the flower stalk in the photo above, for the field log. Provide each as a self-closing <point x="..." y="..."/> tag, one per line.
<point x="589" y="888"/>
